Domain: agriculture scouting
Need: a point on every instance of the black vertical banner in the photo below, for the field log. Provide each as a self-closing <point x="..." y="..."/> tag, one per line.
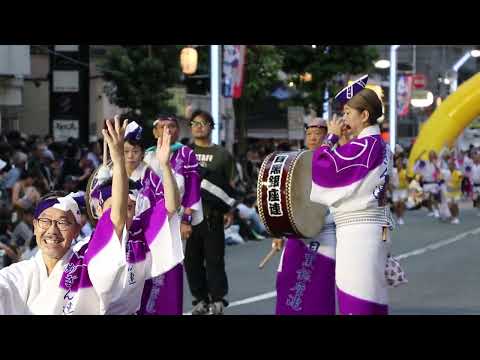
<point x="69" y="92"/>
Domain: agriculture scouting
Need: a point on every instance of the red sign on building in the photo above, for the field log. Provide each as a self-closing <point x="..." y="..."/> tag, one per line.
<point x="419" y="81"/>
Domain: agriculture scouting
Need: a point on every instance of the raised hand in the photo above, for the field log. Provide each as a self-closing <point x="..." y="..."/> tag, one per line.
<point x="163" y="148"/>
<point x="345" y="137"/>
<point x="335" y="125"/>
<point x="114" y="135"/>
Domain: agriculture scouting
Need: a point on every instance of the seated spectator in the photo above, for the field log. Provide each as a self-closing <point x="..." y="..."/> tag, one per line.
<point x="87" y="169"/>
<point x="19" y="160"/>
<point x="232" y="235"/>
<point x="31" y="250"/>
<point x="248" y="212"/>
<point x="8" y="255"/>
<point x="69" y="184"/>
<point x="5" y="225"/>
<point x="24" y="193"/>
<point x="40" y="161"/>
<point x="48" y="140"/>
<point x="23" y="232"/>
<point x="3" y="172"/>
<point x="95" y="150"/>
<point x="71" y="163"/>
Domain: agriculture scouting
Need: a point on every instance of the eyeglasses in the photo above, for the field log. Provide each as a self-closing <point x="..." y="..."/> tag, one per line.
<point x="62" y="225"/>
<point x="199" y="123"/>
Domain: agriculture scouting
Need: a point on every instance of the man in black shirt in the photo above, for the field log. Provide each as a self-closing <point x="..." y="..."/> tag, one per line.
<point x="205" y="250"/>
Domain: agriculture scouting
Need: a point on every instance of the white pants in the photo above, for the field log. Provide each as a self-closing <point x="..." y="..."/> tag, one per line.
<point x="399" y="195"/>
<point x="431" y="188"/>
<point x="361" y="257"/>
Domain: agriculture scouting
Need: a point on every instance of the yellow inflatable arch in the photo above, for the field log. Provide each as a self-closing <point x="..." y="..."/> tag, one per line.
<point x="448" y="121"/>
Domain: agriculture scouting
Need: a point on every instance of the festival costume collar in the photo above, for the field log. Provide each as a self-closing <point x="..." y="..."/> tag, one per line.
<point x="369" y="131"/>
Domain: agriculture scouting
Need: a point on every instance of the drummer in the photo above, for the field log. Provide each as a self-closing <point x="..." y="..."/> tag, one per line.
<point x="352" y="179"/>
<point x="306" y="274"/>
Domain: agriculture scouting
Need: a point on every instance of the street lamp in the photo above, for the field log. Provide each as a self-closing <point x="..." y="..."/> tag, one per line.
<point x="423" y="99"/>
<point x="454" y="75"/>
<point x="472" y="53"/>
<point x="393" y="96"/>
<point x="475" y="53"/>
<point x="382" y="64"/>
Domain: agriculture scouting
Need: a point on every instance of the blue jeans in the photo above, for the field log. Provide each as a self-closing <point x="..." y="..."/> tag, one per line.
<point x="256" y="223"/>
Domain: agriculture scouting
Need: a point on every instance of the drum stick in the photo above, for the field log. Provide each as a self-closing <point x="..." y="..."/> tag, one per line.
<point x="384" y="233"/>
<point x="267" y="258"/>
<point x="105" y="152"/>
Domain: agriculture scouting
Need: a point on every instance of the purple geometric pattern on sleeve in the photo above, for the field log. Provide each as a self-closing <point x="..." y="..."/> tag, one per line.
<point x="348" y="163"/>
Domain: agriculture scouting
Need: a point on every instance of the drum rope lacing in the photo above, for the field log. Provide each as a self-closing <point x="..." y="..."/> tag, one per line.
<point x="260" y="185"/>
<point x="381" y="216"/>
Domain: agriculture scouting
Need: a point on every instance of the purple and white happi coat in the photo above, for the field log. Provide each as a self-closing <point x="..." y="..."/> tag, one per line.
<point x="164" y="295"/>
<point x="306" y="274"/>
<point x="184" y="165"/>
<point x="475" y="177"/>
<point x="430" y="175"/>
<point x="95" y="277"/>
<point x="351" y="180"/>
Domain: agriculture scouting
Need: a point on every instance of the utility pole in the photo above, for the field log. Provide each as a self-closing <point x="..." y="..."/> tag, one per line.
<point x="215" y="93"/>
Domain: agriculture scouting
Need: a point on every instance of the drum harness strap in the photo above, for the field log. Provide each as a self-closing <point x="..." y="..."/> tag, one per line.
<point x="217" y="191"/>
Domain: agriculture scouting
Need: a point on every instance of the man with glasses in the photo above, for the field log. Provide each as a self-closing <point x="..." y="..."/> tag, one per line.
<point x="205" y="251"/>
<point x="97" y="277"/>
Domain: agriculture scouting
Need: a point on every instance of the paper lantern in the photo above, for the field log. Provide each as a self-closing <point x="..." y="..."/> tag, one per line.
<point x="189" y="60"/>
<point x="307" y="77"/>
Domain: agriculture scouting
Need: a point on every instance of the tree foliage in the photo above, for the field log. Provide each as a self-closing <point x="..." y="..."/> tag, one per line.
<point x="329" y="65"/>
<point x="263" y="62"/>
<point x="261" y="76"/>
<point x="138" y="77"/>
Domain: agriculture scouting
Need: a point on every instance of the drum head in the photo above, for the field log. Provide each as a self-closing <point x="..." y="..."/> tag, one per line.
<point x="308" y="217"/>
<point x="91" y="204"/>
<point x="283" y="194"/>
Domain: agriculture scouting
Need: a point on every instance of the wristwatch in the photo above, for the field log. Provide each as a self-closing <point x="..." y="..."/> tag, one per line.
<point x="187" y="219"/>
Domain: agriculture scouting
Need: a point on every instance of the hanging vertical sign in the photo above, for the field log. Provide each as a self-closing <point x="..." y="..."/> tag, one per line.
<point x="233" y="70"/>
<point x="404" y="94"/>
<point x="69" y="92"/>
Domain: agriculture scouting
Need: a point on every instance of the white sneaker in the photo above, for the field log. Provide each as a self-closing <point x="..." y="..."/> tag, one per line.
<point x="430" y="213"/>
<point x="400" y="221"/>
<point x="455" y="221"/>
<point x="201" y="308"/>
<point x="436" y="214"/>
<point x="216" y="308"/>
